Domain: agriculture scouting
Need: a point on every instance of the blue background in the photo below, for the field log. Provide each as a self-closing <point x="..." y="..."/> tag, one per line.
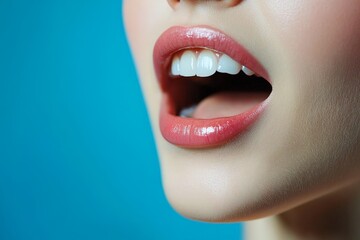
<point x="73" y="164"/>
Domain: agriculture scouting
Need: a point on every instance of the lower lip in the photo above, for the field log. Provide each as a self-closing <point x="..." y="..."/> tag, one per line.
<point x="204" y="133"/>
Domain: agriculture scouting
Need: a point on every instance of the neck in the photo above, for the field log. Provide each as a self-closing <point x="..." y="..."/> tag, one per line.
<point x="334" y="216"/>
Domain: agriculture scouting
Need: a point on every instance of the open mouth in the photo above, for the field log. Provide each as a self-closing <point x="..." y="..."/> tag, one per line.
<point x="213" y="89"/>
<point x="206" y="84"/>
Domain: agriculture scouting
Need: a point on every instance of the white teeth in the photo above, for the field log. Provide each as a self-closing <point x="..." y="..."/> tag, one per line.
<point x="228" y="65"/>
<point x="188" y="64"/>
<point x="206" y="64"/>
<point x="175" y="67"/>
<point x="247" y="71"/>
<point x="187" y="112"/>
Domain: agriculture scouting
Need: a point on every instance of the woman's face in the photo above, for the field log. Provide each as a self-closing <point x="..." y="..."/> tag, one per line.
<point x="249" y="149"/>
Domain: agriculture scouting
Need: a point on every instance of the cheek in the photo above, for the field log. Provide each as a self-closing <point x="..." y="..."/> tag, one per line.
<point x="318" y="70"/>
<point x="316" y="32"/>
<point x="133" y="23"/>
<point x="143" y="20"/>
<point x="318" y="47"/>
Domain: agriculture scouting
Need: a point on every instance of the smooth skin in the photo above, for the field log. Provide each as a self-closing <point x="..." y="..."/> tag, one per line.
<point x="297" y="170"/>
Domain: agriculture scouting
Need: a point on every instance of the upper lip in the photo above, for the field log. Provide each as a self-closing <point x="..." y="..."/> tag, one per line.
<point x="177" y="38"/>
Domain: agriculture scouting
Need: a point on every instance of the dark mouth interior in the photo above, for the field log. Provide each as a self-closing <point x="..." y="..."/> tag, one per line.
<point x="189" y="91"/>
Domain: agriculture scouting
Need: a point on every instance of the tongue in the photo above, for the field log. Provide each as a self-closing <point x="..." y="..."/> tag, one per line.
<point x="226" y="104"/>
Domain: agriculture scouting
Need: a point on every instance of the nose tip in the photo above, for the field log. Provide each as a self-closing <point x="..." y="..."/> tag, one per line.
<point x="221" y="3"/>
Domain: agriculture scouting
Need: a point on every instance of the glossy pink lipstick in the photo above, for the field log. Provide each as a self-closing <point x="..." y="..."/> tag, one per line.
<point x="201" y="133"/>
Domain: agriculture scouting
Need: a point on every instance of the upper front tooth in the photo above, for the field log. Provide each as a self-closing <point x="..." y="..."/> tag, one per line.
<point x="188" y="64"/>
<point x="175" y="67"/>
<point x="247" y="71"/>
<point x="228" y="65"/>
<point x="206" y="64"/>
